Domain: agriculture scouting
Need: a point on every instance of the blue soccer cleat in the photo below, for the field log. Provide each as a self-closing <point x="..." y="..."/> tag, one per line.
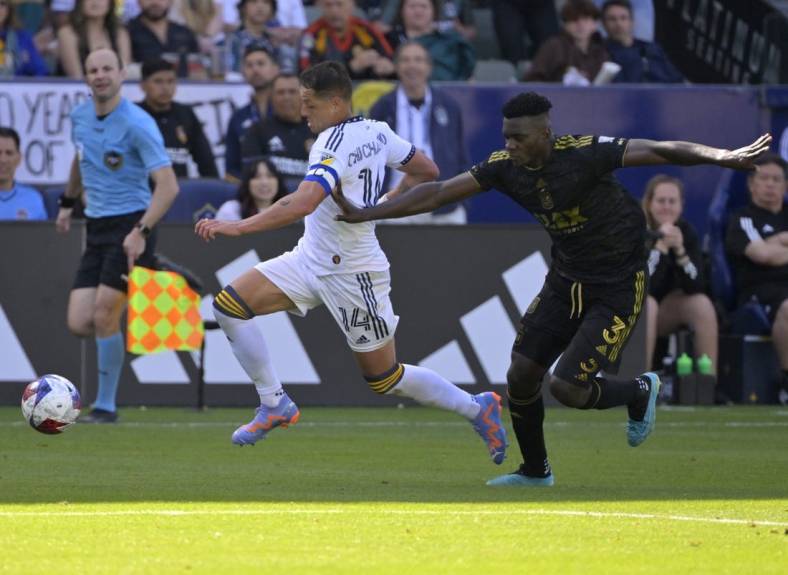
<point x="266" y="419"/>
<point x="639" y="430"/>
<point x="487" y="423"/>
<point x="520" y="479"/>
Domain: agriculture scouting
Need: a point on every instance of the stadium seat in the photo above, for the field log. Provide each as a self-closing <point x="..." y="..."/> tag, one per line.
<point x="486" y="42"/>
<point x="494" y="71"/>
<point x="199" y="198"/>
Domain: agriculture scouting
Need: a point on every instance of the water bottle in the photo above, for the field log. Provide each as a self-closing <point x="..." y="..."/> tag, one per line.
<point x="704" y="364"/>
<point x="684" y="365"/>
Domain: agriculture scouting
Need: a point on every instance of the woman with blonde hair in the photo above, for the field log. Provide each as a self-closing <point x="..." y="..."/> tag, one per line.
<point x="93" y="24"/>
<point x="675" y="295"/>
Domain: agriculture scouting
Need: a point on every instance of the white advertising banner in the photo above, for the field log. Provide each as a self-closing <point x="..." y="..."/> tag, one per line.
<point x="39" y="112"/>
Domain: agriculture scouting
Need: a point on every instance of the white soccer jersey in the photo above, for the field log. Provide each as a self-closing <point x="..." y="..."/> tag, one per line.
<point x="351" y="156"/>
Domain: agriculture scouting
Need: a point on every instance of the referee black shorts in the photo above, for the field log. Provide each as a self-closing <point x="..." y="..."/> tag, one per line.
<point x="104" y="261"/>
<point x="589" y="323"/>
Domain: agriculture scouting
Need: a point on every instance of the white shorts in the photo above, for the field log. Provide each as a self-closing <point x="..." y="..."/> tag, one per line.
<point x="359" y="302"/>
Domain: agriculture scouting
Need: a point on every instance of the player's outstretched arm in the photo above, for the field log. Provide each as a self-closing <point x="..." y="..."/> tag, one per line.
<point x="650" y="152"/>
<point x="418" y="200"/>
<point x="285" y="211"/>
<point x="418" y="170"/>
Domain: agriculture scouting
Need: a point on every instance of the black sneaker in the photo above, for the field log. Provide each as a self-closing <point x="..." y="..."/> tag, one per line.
<point x="100" y="416"/>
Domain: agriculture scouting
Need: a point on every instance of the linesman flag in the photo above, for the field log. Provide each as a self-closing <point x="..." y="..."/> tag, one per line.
<point x="164" y="313"/>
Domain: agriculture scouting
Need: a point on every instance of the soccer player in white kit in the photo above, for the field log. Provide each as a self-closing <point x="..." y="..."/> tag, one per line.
<point x="338" y="265"/>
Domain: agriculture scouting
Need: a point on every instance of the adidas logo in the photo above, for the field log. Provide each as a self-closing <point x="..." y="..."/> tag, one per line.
<point x="276" y="144"/>
<point x="362" y="339"/>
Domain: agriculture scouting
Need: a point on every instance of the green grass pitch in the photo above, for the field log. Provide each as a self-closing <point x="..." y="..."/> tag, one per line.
<point x="396" y="491"/>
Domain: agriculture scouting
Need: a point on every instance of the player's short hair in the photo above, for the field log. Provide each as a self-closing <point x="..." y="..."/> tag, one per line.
<point x="154" y="66"/>
<point x="284" y="76"/>
<point x="10" y="133"/>
<point x="626" y="4"/>
<point x="526" y="104"/>
<point x="648" y="195"/>
<point x="576" y="9"/>
<point x="328" y="79"/>
<point x="241" y="3"/>
<point x="771" y="158"/>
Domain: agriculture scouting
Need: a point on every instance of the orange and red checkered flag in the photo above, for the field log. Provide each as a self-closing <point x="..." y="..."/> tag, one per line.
<point x="164" y="313"/>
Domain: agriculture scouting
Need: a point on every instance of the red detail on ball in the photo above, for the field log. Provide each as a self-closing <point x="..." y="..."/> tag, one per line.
<point x="50" y="426"/>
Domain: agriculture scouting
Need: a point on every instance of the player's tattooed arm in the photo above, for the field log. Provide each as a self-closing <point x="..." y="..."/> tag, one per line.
<point x="650" y="152"/>
<point x="418" y="200"/>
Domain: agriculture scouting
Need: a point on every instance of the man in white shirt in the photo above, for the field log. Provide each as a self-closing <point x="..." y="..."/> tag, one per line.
<point x="337" y="265"/>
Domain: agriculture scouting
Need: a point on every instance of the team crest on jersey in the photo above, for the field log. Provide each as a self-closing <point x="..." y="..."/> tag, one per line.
<point x="113" y="160"/>
<point x="545" y="197"/>
<point x="180" y="133"/>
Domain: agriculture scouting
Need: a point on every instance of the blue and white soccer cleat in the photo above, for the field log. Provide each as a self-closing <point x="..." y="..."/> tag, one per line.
<point x="520" y="479"/>
<point x="638" y="431"/>
<point x="487" y="423"/>
<point x="266" y="419"/>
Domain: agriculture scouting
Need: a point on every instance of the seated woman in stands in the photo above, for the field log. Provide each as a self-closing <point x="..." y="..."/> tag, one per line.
<point x="675" y="295"/>
<point x="261" y="186"/>
<point x="93" y="24"/>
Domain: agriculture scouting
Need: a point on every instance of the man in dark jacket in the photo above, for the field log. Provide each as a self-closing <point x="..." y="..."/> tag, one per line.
<point x="183" y="135"/>
<point x="640" y="61"/>
<point x="428" y="117"/>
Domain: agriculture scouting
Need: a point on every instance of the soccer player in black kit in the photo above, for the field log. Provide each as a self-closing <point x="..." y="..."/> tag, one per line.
<point x="594" y="291"/>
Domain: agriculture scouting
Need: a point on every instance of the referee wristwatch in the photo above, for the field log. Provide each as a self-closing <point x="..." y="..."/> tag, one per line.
<point x="144" y="230"/>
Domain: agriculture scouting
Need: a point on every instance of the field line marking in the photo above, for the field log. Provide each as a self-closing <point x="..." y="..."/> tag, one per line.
<point x="335" y="511"/>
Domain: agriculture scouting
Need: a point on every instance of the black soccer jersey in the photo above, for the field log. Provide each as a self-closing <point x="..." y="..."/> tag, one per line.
<point x="287" y="144"/>
<point x="751" y="224"/>
<point x="598" y="229"/>
<point x="184" y="138"/>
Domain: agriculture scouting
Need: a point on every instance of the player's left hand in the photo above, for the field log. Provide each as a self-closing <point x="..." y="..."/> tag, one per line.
<point x="742" y="158"/>
<point x="134" y="246"/>
<point x="209" y="229"/>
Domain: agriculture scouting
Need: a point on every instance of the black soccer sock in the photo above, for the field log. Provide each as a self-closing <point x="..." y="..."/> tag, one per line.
<point x="527" y="421"/>
<point x="607" y="393"/>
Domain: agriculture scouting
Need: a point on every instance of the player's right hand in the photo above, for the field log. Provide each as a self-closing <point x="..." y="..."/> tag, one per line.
<point x="209" y="229"/>
<point x="350" y="213"/>
<point x="63" y="221"/>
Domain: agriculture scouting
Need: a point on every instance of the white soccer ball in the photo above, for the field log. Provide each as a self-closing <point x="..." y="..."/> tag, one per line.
<point x="51" y="403"/>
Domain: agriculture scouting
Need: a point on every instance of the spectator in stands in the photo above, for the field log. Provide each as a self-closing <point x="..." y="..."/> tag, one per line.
<point x="284" y="137"/>
<point x="290" y="15"/>
<point x="92" y="25"/>
<point x="640" y="61"/>
<point x="18" y="53"/>
<point x="675" y="292"/>
<point x="429" y="118"/>
<point x="574" y="56"/>
<point x="452" y="56"/>
<point x="256" y="17"/>
<point x="338" y="35"/>
<point x="17" y="202"/>
<point x="454" y="15"/>
<point x="757" y="243"/>
<point x="203" y="17"/>
<point x="516" y="20"/>
<point x="153" y="36"/>
<point x="259" y="71"/>
<point x="184" y="138"/>
<point x="261" y="186"/>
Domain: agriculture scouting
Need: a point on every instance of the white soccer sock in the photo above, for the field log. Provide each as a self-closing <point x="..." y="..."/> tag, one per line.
<point x="429" y="388"/>
<point x="248" y="345"/>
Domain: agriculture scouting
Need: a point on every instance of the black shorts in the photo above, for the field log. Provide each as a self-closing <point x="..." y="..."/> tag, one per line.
<point x="771" y="298"/>
<point x="104" y="261"/>
<point x="589" y="323"/>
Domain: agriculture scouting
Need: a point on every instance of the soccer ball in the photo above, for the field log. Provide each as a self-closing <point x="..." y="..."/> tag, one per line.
<point x="51" y="403"/>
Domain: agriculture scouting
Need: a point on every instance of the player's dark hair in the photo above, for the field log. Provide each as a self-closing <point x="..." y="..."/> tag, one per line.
<point x="284" y="76"/>
<point x="620" y="3"/>
<point x="260" y="47"/>
<point x="328" y="79"/>
<point x="771" y="158"/>
<point x="151" y="67"/>
<point x="10" y="133"/>
<point x="526" y="104"/>
<point x="408" y="44"/>
<point x="244" y="195"/>
<point x="576" y="9"/>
